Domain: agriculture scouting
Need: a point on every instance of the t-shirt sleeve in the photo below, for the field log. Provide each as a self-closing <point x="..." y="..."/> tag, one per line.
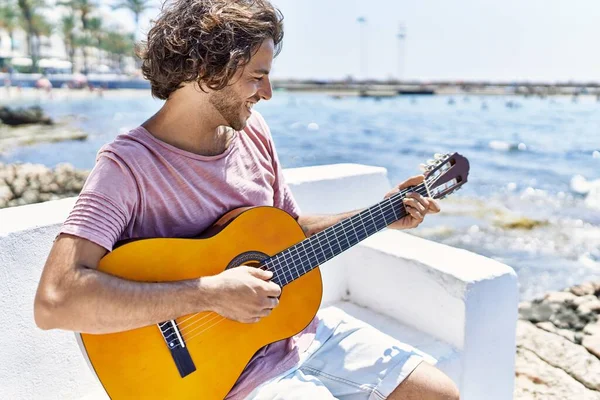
<point x="106" y="203"/>
<point x="282" y="197"/>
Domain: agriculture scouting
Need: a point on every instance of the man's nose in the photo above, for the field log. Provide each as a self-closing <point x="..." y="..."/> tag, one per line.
<point x="265" y="91"/>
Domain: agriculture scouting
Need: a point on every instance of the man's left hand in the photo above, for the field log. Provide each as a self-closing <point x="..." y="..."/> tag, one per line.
<point x="416" y="205"/>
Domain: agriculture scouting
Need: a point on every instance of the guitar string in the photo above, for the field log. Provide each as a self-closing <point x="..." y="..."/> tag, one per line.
<point x="386" y="209"/>
<point x="189" y="338"/>
<point x="186" y="331"/>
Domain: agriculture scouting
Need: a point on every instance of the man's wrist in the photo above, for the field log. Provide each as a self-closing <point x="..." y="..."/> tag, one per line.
<point x="201" y="291"/>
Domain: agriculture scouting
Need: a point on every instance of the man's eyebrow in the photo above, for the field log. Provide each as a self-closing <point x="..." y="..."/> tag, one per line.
<point x="261" y="71"/>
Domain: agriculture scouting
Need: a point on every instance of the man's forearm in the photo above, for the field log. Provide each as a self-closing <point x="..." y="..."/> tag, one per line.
<point x="312" y="224"/>
<point x="96" y="302"/>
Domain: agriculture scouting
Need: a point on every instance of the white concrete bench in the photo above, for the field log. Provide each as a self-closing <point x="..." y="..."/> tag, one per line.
<point x="458" y="307"/>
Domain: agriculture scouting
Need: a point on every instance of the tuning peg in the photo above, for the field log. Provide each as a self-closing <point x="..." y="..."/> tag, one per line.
<point x="439" y="156"/>
<point x="423" y="167"/>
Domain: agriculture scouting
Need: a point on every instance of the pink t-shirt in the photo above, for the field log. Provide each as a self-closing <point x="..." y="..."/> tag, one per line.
<point x="142" y="187"/>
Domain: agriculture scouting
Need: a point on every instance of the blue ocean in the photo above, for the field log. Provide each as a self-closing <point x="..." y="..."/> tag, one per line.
<point x="529" y="202"/>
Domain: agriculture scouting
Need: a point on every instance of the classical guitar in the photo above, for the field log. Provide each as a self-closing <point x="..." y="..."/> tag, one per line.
<point x="201" y="356"/>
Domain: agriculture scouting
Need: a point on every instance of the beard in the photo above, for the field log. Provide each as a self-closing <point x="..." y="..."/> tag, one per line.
<point x="230" y="106"/>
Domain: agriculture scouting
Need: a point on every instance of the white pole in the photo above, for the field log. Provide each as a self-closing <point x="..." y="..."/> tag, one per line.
<point x="363" y="47"/>
<point x="401" y="37"/>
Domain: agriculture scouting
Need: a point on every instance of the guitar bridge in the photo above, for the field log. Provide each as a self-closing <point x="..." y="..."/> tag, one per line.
<point x="176" y="344"/>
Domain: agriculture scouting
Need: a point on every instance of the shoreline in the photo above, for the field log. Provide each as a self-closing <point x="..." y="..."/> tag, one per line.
<point x="11" y="94"/>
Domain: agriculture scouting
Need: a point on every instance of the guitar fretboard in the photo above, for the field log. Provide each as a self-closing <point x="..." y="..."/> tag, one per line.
<point x="308" y="254"/>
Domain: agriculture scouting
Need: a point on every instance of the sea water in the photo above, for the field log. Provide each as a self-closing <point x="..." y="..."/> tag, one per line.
<point x="531" y="200"/>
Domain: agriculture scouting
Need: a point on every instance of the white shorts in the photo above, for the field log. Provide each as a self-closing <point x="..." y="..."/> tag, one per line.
<point x="348" y="360"/>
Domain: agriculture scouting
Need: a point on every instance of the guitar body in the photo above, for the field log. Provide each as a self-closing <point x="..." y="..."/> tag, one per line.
<point x="138" y="363"/>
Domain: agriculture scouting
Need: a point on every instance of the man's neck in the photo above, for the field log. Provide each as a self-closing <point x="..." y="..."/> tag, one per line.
<point x="190" y="127"/>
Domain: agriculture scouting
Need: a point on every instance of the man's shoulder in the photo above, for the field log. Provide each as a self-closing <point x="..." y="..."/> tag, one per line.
<point x="126" y="146"/>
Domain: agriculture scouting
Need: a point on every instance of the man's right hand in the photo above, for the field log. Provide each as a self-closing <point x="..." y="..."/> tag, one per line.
<point x="243" y="294"/>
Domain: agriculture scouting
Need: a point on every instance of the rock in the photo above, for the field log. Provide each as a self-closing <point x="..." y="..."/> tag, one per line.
<point x="583" y="289"/>
<point x="536" y="379"/>
<point x="592" y="329"/>
<point x="564" y="309"/>
<point x="31" y="134"/>
<point x="537" y="312"/>
<point x="584" y="299"/>
<point x="559" y="297"/>
<point x="592" y="344"/>
<point x="24" y="116"/>
<point x="549" y="327"/>
<point x="589" y="309"/>
<point x="22" y="184"/>
<point x="560" y="353"/>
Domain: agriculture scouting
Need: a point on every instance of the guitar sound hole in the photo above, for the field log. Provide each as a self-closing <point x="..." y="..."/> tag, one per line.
<point x="250" y="258"/>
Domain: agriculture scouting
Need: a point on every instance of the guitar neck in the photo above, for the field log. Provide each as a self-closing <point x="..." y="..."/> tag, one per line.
<point x="308" y="254"/>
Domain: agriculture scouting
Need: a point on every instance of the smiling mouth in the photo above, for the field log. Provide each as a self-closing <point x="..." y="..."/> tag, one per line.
<point x="249" y="106"/>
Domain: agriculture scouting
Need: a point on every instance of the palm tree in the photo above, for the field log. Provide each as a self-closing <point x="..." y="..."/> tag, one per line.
<point x="84" y="8"/>
<point x="137" y="7"/>
<point x="41" y="28"/>
<point x="95" y="34"/>
<point x="28" y="14"/>
<point x="9" y="21"/>
<point x="118" y="45"/>
<point x="68" y="32"/>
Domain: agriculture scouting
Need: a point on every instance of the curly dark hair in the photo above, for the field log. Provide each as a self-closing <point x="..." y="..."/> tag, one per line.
<point x="206" y="41"/>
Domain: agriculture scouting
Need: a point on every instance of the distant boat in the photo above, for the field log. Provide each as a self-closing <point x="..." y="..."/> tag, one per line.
<point x="426" y="92"/>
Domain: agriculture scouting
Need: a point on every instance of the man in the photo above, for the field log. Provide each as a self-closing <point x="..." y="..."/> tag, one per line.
<point x="203" y="153"/>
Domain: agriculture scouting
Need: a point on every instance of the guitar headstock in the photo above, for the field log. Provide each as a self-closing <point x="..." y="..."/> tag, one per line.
<point x="446" y="174"/>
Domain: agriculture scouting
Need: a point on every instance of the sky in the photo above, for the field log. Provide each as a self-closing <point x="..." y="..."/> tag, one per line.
<point x="508" y="40"/>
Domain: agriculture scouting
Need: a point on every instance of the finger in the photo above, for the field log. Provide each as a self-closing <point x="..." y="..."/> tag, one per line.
<point x="434" y="207"/>
<point x="263" y="274"/>
<point x="412" y="181"/>
<point x="414" y="204"/>
<point x="272" y="289"/>
<point x="415" y="213"/>
<point x="422" y="201"/>
<point x="270" y="303"/>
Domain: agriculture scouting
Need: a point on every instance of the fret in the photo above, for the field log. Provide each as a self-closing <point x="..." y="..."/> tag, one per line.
<point x="385" y="214"/>
<point x="308" y="256"/>
<point x="317" y="245"/>
<point x="293" y="264"/>
<point x="336" y="239"/>
<point x="298" y="262"/>
<point x="364" y="227"/>
<point x="353" y="230"/>
<point x="312" y="247"/>
<point x="332" y="252"/>
<point x="369" y="221"/>
<point x="332" y="241"/>
<point x="278" y="273"/>
<point x="372" y="220"/>
<point x="281" y="268"/>
<point x="394" y="211"/>
<point x="365" y="231"/>
<point x="348" y="245"/>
